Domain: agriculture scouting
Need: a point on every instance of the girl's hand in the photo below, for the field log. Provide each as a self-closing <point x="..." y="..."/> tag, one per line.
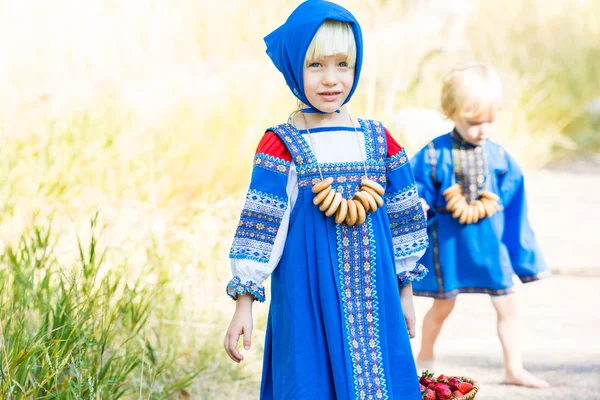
<point x="241" y="324"/>
<point x="408" y="307"/>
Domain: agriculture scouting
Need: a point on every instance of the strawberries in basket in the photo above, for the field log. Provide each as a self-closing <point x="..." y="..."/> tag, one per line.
<point x="443" y="387"/>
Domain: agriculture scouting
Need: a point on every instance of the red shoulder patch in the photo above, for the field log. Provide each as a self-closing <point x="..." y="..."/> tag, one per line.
<point x="272" y="145"/>
<point x="393" y="147"/>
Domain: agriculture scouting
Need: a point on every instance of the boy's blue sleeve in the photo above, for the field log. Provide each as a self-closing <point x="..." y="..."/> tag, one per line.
<point x="524" y="251"/>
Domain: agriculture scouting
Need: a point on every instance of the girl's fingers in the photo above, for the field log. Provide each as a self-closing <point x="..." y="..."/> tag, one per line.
<point x="232" y="350"/>
<point x="247" y="337"/>
<point x="411" y="328"/>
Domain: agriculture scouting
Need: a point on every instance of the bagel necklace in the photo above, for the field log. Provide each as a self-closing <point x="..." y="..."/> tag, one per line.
<point x="352" y="211"/>
<point x="470" y="170"/>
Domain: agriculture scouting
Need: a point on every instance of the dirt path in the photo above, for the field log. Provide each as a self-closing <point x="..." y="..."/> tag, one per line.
<point x="564" y="208"/>
<point x="559" y="326"/>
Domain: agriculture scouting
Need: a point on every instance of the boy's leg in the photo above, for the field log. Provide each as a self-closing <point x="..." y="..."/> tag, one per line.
<point x="516" y="374"/>
<point x="432" y="325"/>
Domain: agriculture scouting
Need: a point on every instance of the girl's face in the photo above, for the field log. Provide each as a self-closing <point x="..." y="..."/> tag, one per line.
<point x="476" y="131"/>
<point x="328" y="81"/>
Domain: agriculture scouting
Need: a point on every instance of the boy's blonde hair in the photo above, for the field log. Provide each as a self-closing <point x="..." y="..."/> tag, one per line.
<point x="333" y="37"/>
<point x="471" y="91"/>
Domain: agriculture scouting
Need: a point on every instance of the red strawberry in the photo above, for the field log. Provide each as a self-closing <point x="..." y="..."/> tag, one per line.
<point x="453" y="383"/>
<point x="457" y="394"/>
<point x="426" y="375"/>
<point x="429" y="395"/>
<point x="427" y="381"/>
<point x="442" y="378"/>
<point x="442" y="391"/>
<point x="465" y="387"/>
<point x="422" y="388"/>
<point x="431" y="386"/>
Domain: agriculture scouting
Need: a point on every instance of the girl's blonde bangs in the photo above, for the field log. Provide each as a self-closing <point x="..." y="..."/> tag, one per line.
<point x="332" y="38"/>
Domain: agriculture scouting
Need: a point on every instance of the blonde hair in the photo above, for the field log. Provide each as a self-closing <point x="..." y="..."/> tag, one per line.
<point x="332" y="38"/>
<point x="471" y="91"/>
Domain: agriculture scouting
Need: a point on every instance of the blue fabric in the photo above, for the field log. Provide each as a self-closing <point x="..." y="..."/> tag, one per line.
<point x="287" y="45"/>
<point x="480" y="257"/>
<point x="335" y="327"/>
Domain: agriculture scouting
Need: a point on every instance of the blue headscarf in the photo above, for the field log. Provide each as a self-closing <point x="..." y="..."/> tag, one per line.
<point x="287" y="45"/>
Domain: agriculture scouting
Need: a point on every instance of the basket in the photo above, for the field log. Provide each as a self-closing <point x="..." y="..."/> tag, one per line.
<point x="473" y="392"/>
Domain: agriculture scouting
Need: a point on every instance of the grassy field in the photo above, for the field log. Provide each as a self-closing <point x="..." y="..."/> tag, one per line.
<point x="128" y="135"/>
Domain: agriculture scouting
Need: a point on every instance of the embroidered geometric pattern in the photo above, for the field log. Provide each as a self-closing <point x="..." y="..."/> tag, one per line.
<point x="407" y="221"/>
<point x="235" y="285"/>
<point x="302" y="155"/>
<point x="453" y="293"/>
<point x="397" y="161"/>
<point x="346" y="176"/>
<point x="538" y="276"/>
<point x="346" y="179"/>
<point x="271" y="163"/>
<point x="432" y="161"/>
<point x="357" y="266"/>
<point x="418" y="273"/>
<point x="470" y="167"/>
<point x="258" y="226"/>
<point x="375" y="141"/>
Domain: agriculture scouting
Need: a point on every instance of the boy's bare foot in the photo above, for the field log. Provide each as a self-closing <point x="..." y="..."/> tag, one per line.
<point x="526" y="379"/>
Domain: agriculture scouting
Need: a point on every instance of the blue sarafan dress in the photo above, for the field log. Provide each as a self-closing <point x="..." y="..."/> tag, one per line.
<point x="481" y="257"/>
<point x="336" y="328"/>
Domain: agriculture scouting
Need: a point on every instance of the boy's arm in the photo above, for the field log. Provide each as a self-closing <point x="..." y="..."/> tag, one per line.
<point x="525" y="254"/>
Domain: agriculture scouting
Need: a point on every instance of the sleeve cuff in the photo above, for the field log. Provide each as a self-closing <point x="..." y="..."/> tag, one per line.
<point x="416" y="274"/>
<point x="235" y="287"/>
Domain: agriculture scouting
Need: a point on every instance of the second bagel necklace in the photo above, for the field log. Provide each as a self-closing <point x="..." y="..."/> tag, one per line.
<point x="346" y="211"/>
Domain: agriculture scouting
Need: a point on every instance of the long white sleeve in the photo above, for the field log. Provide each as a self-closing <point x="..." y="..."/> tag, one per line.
<point x="249" y="273"/>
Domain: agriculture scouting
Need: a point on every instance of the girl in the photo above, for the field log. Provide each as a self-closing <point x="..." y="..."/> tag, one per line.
<point x="325" y="190"/>
<point x="477" y="216"/>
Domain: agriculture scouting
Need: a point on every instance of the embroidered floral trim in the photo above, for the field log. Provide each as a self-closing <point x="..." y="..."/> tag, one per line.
<point x="341" y="173"/>
<point x="397" y="161"/>
<point x="407" y="221"/>
<point x="360" y="305"/>
<point x="258" y="226"/>
<point x="417" y="273"/>
<point x="271" y="163"/>
<point x="369" y="129"/>
<point x="379" y="145"/>
<point x="235" y="285"/>
<point x="295" y="144"/>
